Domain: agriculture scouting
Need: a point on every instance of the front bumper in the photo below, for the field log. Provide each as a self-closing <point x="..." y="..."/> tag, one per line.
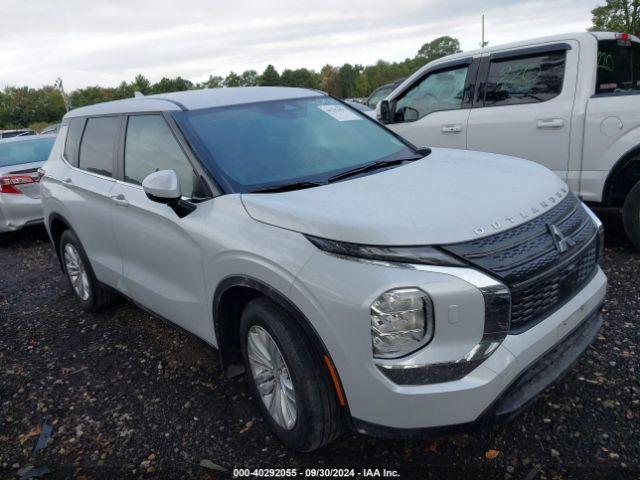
<point x="519" y="394"/>
<point x="335" y="295"/>
<point x="18" y="211"/>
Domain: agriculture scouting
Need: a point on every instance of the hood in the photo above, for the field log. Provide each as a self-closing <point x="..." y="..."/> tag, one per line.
<point x="449" y="196"/>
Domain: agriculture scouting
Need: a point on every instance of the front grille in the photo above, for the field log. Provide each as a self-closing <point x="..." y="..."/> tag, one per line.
<point x="527" y="260"/>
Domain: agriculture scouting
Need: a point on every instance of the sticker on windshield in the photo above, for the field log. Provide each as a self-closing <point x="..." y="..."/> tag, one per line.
<point x="339" y="112"/>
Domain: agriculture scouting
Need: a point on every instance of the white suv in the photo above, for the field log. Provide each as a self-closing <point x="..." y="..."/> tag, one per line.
<point x="361" y="281"/>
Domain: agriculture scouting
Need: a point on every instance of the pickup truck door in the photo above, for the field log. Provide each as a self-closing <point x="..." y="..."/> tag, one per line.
<point x="524" y="104"/>
<point x="434" y="109"/>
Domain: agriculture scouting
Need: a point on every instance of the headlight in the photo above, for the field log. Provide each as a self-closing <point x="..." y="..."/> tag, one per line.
<point x="600" y="227"/>
<point x="401" y="322"/>
<point x="424" y="255"/>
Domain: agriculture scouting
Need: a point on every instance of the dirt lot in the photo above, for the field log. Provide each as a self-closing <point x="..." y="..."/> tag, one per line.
<point x="128" y="396"/>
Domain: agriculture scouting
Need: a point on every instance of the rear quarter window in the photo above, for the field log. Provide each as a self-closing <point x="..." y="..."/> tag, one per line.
<point x="74" y="132"/>
<point x="618" y="67"/>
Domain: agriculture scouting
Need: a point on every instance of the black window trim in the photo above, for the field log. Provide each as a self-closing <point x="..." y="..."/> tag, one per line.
<point x="485" y="65"/>
<point x="530" y="51"/>
<point x="442" y="67"/>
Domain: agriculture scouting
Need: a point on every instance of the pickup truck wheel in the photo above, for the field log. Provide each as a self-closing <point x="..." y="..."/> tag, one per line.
<point x="290" y="384"/>
<point x="91" y="293"/>
<point x="631" y="215"/>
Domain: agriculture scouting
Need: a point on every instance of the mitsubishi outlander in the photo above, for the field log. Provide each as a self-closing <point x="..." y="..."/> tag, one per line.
<point x="360" y="281"/>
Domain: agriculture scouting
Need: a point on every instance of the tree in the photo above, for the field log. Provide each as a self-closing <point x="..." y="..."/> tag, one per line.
<point x="329" y="80"/>
<point x="141" y="84"/>
<point x="23" y="106"/>
<point x="440" y="47"/>
<point x="300" y="77"/>
<point x="617" y="16"/>
<point x="213" y="82"/>
<point x="362" y="88"/>
<point x="249" y="78"/>
<point x="270" y="77"/>
<point x="347" y="75"/>
<point x="232" y="80"/>
<point x="166" y="85"/>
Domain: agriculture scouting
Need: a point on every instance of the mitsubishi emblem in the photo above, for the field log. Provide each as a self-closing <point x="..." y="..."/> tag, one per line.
<point x="561" y="241"/>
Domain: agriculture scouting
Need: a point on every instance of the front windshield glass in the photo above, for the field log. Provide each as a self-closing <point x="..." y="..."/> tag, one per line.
<point x="16" y="152"/>
<point x="378" y="95"/>
<point x="260" y="145"/>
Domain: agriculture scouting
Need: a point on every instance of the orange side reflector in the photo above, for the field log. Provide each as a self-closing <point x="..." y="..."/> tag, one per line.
<point x="336" y="382"/>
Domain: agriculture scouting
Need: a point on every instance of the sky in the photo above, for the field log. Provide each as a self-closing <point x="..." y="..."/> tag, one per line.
<point x="97" y="42"/>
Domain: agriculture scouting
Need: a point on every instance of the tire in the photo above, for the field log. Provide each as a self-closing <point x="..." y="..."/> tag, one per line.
<point x="631" y="215"/>
<point x="317" y="413"/>
<point x="91" y="293"/>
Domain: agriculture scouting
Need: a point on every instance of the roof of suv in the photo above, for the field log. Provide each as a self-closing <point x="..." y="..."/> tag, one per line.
<point x="195" y="99"/>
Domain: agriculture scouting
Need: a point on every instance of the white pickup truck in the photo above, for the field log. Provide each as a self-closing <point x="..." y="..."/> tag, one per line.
<point x="570" y="102"/>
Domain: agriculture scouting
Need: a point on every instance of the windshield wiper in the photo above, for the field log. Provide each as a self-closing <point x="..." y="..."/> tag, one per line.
<point x="286" y="187"/>
<point x="371" y="166"/>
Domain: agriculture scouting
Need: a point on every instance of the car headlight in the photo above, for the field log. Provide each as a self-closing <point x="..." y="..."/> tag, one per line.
<point x="598" y="224"/>
<point x="401" y="322"/>
<point x="424" y="255"/>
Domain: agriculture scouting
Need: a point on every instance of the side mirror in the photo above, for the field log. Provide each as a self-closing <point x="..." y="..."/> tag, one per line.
<point x="384" y="112"/>
<point x="162" y="186"/>
<point x="410" y="114"/>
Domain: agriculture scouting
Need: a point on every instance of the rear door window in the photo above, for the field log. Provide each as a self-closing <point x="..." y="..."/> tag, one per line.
<point x="618" y="67"/>
<point x="98" y="146"/>
<point x="530" y="79"/>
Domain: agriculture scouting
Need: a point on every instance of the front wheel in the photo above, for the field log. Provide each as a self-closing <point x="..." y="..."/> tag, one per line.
<point x="288" y="379"/>
<point x="631" y="215"/>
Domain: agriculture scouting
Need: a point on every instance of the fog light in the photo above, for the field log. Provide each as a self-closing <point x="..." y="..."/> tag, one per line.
<point x="401" y="322"/>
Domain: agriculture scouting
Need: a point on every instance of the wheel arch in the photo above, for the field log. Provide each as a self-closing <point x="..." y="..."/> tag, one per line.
<point x="231" y="296"/>
<point x="622" y="177"/>
<point x="56" y="226"/>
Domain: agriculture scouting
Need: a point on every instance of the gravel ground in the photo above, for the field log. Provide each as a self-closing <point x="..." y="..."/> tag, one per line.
<point x="128" y="396"/>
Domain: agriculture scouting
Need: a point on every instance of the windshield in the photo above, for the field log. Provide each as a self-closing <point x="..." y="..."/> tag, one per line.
<point x="378" y="95"/>
<point x="298" y="140"/>
<point x="16" y="152"/>
<point x="618" y="67"/>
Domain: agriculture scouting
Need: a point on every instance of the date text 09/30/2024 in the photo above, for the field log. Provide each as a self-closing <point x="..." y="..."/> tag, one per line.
<point x="316" y="472"/>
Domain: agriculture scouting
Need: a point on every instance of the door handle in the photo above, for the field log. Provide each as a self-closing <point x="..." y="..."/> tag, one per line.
<point x="67" y="182"/>
<point x="551" y="123"/>
<point x="120" y="200"/>
<point x="451" y="128"/>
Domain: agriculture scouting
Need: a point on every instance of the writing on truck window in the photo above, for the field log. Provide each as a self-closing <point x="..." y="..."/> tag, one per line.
<point x="519" y="77"/>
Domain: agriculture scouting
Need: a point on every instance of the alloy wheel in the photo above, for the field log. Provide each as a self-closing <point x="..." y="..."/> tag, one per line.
<point x="272" y="378"/>
<point x="76" y="271"/>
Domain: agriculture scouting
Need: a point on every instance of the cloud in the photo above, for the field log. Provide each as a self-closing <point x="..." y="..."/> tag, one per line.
<point x="89" y="43"/>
